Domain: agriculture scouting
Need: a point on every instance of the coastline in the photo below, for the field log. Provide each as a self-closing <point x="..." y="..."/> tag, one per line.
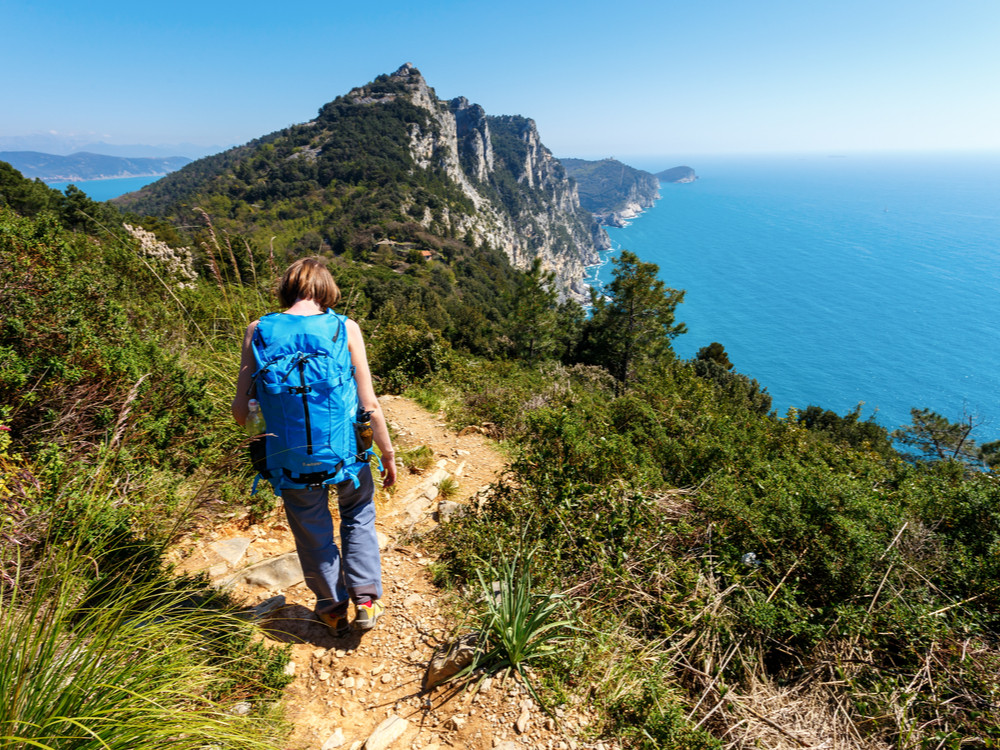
<point x="622" y="217"/>
<point x="74" y="180"/>
<point x="592" y="273"/>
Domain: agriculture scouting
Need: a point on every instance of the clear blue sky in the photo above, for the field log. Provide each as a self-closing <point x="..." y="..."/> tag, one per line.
<point x="671" y="77"/>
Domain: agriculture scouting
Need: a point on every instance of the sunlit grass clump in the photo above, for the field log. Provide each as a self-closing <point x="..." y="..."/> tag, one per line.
<point x="149" y="669"/>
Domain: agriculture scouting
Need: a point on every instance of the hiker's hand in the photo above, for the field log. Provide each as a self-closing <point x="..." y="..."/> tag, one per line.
<point x="388" y="470"/>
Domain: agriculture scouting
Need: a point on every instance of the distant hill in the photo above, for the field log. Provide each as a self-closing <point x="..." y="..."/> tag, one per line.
<point x="388" y="164"/>
<point x="88" y="166"/>
<point x="54" y="143"/>
<point x="677" y="174"/>
<point x="612" y="191"/>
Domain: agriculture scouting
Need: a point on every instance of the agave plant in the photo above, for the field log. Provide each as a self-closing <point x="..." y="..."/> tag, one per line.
<point x="519" y="625"/>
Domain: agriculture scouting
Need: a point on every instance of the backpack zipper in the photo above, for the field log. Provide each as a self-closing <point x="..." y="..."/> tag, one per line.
<point x="305" y="405"/>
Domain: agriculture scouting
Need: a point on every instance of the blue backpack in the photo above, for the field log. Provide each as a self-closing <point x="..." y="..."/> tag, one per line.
<point x="309" y="399"/>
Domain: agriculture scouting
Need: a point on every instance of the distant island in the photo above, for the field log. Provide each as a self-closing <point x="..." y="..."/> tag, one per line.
<point x="677" y="174"/>
<point x="613" y="192"/>
<point x="87" y="166"/>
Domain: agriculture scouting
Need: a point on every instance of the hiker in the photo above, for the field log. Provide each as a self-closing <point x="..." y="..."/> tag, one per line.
<point x="306" y="336"/>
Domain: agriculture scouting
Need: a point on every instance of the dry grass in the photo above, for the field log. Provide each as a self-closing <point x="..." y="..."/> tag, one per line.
<point x="805" y="714"/>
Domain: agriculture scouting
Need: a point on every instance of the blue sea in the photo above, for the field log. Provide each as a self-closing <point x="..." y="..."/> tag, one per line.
<point x="105" y="190"/>
<point x="840" y="280"/>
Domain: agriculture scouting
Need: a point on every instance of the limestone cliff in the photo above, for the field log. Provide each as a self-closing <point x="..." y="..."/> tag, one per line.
<point x="524" y="202"/>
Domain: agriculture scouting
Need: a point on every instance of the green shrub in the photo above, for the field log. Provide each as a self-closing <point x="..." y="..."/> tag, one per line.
<point x="402" y="356"/>
<point x="518" y="625"/>
<point x="417" y="459"/>
<point x="648" y="716"/>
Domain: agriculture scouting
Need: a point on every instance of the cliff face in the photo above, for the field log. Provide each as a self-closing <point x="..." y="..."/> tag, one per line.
<point x="524" y="202"/>
<point x="613" y="192"/>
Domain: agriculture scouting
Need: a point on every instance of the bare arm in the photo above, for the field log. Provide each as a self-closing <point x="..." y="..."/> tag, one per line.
<point x="366" y="395"/>
<point x="244" y="381"/>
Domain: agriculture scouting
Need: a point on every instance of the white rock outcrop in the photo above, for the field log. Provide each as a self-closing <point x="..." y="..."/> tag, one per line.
<point x="546" y="222"/>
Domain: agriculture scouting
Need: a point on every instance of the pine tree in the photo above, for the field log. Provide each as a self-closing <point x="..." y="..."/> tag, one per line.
<point x="935" y="438"/>
<point x="533" y="320"/>
<point x="634" y="324"/>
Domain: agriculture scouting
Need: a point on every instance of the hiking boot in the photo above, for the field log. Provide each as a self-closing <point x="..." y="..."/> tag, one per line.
<point x="368" y="614"/>
<point x="336" y="622"/>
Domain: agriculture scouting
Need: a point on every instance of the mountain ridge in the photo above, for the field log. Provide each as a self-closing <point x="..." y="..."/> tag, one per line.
<point x="390" y="161"/>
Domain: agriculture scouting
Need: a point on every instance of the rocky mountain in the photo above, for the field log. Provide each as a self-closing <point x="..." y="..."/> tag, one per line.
<point x="389" y="163"/>
<point x="614" y="192"/>
<point x="677" y="174"/>
<point x="88" y="166"/>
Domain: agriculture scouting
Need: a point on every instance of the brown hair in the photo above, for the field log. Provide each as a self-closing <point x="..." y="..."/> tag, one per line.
<point x="308" y="278"/>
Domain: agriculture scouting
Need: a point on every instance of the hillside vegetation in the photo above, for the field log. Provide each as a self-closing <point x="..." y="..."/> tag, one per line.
<point x="718" y="561"/>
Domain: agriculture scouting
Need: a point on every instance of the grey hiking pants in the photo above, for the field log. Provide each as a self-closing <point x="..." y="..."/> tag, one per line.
<point x="337" y="575"/>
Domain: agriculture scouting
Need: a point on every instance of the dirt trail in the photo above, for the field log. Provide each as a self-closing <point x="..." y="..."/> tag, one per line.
<point x="346" y="688"/>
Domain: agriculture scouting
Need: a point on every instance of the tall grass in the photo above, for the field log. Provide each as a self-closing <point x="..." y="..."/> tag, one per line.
<point x="115" y="378"/>
<point x="141" y="669"/>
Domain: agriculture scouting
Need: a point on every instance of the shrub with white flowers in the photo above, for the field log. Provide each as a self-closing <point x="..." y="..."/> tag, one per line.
<point x="177" y="263"/>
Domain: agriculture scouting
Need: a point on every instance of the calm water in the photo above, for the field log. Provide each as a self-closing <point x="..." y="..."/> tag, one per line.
<point x="105" y="190"/>
<point x="834" y="281"/>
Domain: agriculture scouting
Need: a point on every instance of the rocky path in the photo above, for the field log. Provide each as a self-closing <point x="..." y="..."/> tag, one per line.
<point x="366" y="691"/>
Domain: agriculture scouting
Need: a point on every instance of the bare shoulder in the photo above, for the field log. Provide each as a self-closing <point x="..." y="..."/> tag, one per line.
<point x="249" y="332"/>
<point x="353" y="330"/>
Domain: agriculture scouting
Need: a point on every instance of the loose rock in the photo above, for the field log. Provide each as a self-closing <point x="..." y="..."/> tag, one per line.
<point x="411" y="600"/>
<point x="521" y="725"/>
<point x="280" y="572"/>
<point x="450" y="659"/>
<point x="334" y="740"/>
<point x="447" y="509"/>
<point x="230" y="550"/>
<point x="267" y="607"/>
<point x="386" y="733"/>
